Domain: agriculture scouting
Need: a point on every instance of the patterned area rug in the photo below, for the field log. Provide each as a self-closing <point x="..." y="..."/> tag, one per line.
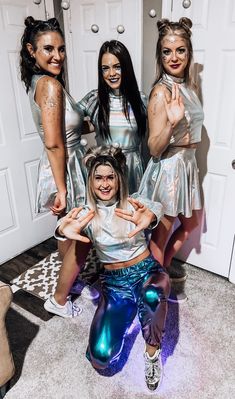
<point x="41" y="279"/>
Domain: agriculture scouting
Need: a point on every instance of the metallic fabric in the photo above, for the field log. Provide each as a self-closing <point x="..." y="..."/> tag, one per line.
<point x="76" y="172"/>
<point x="109" y="233"/>
<point x="173" y="181"/>
<point x="143" y="289"/>
<point x="123" y="133"/>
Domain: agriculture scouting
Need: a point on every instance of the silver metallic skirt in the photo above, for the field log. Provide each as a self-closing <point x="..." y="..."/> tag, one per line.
<point x="173" y="181"/>
<point x="75" y="181"/>
<point x="135" y="168"/>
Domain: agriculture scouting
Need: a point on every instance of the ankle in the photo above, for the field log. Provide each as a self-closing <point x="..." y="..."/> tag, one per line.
<point x="60" y="300"/>
<point x="152" y="350"/>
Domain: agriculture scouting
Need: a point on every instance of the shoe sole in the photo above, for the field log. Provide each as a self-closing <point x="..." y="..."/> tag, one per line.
<point x="53" y="311"/>
<point x="177" y="300"/>
<point x="49" y="310"/>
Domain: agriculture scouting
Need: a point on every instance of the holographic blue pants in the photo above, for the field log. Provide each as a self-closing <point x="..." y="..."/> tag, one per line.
<point x="142" y="288"/>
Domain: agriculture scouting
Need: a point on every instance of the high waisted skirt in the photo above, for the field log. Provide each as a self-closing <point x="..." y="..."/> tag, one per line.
<point x="75" y="181"/>
<point x="173" y="181"/>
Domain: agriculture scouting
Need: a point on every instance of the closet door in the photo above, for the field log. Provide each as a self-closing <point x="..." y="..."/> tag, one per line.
<point x="211" y="246"/>
<point x="20" y="146"/>
<point x="83" y="44"/>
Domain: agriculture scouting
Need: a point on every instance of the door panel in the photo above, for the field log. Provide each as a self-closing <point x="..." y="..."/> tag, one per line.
<point x="83" y="45"/>
<point x="20" y="145"/>
<point x="210" y="247"/>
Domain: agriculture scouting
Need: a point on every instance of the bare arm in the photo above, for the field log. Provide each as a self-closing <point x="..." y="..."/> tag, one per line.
<point x="165" y="110"/>
<point x="49" y="96"/>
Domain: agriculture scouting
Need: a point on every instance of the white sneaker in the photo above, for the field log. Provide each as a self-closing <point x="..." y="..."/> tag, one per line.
<point x="79" y="287"/>
<point x="68" y="310"/>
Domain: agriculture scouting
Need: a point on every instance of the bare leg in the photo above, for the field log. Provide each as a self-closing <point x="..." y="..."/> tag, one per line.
<point x="72" y="264"/>
<point x="160" y="236"/>
<point x="179" y="236"/>
<point x="63" y="247"/>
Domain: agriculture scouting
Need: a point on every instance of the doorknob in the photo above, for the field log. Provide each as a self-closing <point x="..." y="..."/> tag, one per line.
<point x="65" y="4"/>
<point x="120" y="29"/>
<point x="233" y="164"/>
<point x="95" y="28"/>
<point x="152" y="13"/>
<point x="186" y="3"/>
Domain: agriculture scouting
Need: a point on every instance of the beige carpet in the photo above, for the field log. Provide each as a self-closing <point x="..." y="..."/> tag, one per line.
<point x="198" y="352"/>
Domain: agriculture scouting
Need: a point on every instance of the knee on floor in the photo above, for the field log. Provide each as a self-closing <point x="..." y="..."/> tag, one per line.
<point x="100" y="356"/>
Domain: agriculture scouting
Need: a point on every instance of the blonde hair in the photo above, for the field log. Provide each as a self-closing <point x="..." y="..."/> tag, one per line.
<point x="113" y="157"/>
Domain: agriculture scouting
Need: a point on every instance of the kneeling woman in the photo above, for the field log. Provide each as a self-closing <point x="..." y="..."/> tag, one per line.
<point x="132" y="281"/>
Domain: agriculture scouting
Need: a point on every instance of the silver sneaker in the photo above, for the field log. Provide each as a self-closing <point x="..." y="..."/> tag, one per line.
<point x="153" y="370"/>
<point x="70" y="309"/>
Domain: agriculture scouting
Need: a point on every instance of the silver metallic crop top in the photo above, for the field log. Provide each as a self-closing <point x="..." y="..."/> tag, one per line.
<point x="73" y="115"/>
<point x="110" y="237"/>
<point x="188" y="130"/>
<point x="122" y="131"/>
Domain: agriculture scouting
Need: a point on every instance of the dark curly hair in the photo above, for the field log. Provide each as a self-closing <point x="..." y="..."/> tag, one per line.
<point x="33" y="29"/>
<point x="183" y="30"/>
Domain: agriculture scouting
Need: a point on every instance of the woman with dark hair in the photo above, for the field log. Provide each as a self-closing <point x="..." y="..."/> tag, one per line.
<point x="58" y="119"/>
<point x="175" y="118"/>
<point x="132" y="281"/>
<point x="117" y="109"/>
<point x="61" y="176"/>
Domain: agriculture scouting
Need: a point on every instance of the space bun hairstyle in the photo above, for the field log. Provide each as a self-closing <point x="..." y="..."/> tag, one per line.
<point x="33" y="29"/>
<point x="183" y="30"/>
<point x="113" y="157"/>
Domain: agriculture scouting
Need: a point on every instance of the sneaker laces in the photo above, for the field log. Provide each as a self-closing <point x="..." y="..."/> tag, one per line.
<point x="73" y="308"/>
<point x="152" y="366"/>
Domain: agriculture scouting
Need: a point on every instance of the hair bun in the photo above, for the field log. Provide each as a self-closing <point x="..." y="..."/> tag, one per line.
<point x="105" y="151"/>
<point x="186" y="23"/>
<point x="162" y="23"/>
<point x="54" y="22"/>
<point x="29" y="21"/>
<point x="89" y="157"/>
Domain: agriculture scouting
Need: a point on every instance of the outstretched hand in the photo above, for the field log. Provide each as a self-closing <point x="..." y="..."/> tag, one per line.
<point x="174" y="107"/>
<point x="141" y="216"/>
<point x="71" y="226"/>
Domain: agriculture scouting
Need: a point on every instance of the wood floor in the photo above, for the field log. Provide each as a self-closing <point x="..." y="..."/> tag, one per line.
<point x="24" y="261"/>
<point x="16" y="266"/>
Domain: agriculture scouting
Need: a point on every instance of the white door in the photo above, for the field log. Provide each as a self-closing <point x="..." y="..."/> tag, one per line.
<point x="211" y="246"/>
<point x="20" y="146"/>
<point x="83" y="45"/>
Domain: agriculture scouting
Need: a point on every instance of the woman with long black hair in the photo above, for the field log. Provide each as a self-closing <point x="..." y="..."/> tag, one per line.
<point x="117" y="109"/>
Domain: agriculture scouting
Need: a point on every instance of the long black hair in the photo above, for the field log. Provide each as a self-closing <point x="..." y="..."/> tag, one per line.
<point x="33" y="29"/>
<point x="128" y="89"/>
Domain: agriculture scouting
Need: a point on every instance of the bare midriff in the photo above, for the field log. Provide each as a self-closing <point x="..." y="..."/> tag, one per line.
<point x="131" y="262"/>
